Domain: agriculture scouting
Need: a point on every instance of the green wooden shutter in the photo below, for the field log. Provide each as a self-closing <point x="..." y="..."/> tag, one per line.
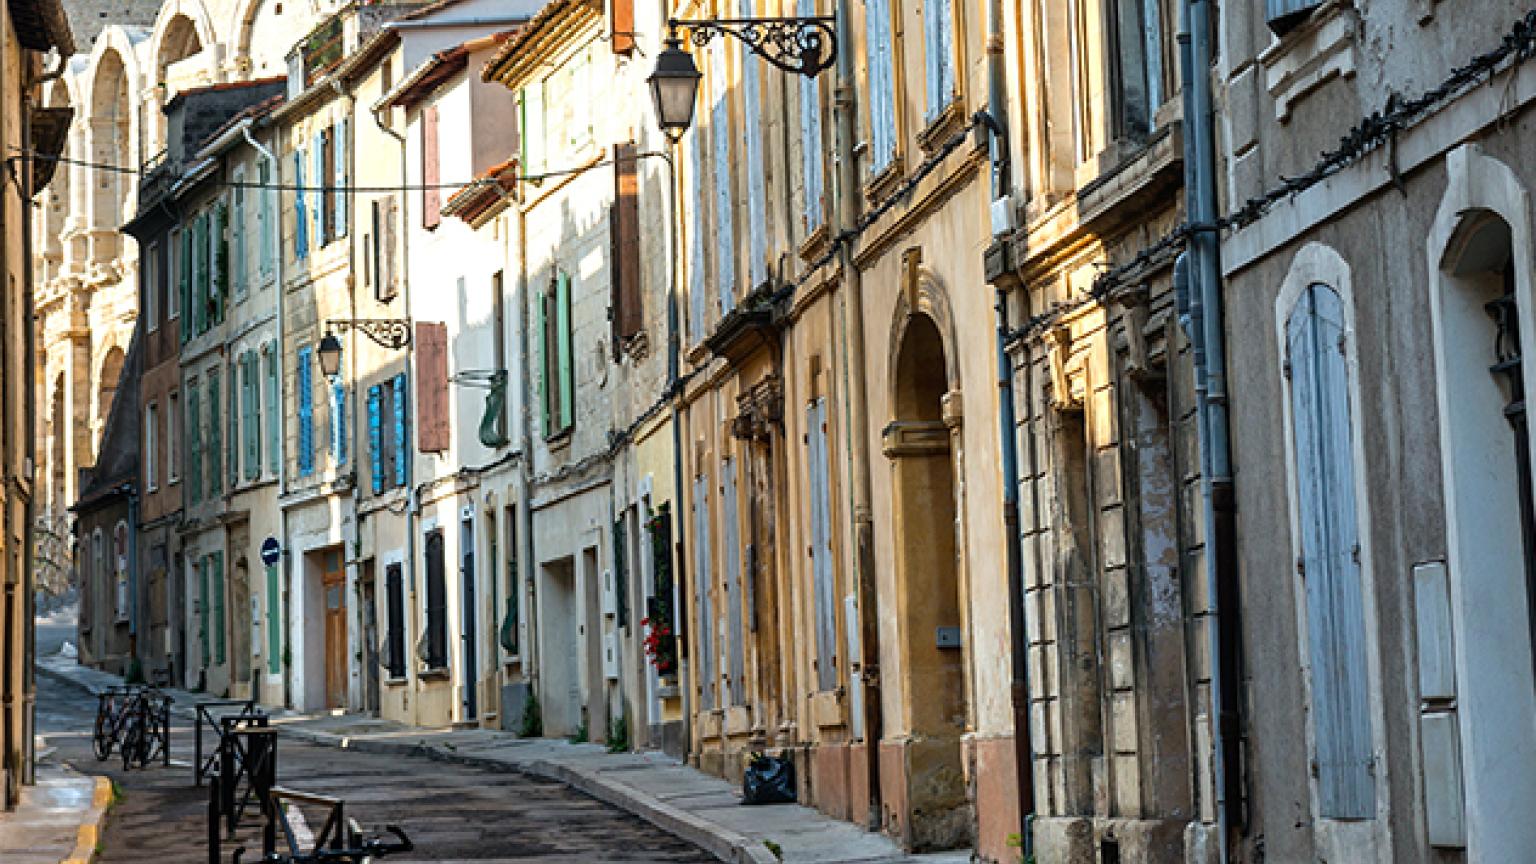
<point x="205" y="601"/>
<point x="541" y="312"/>
<point x="274" y="623"/>
<point x="567" y="360"/>
<point x="220" y="278"/>
<point x="252" y="407"/>
<point x="274" y="419"/>
<point x="215" y="435"/>
<point x="232" y="442"/>
<point x="184" y="286"/>
<point x="219" y="622"/>
<point x="194" y="470"/>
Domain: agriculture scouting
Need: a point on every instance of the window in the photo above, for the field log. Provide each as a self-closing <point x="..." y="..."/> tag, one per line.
<point x="266" y="225"/>
<point x="204" y="609"/>
<point x="339" y="421"/>
<point x="437" y="602"/>
<point x="811" y="167"/>
<point x="151" y="446"/>
<point x="880" y="46"/>
<point x="194" y="444"/>
<point x="250" y="407"/>
<point x="149" y="280"/>
<point x="431" y="196"/>
<point x="1137" y="45"/>
<point x="220" y="622"/>
<point x="300" y="209"/>
<point x="386" y="434"/>
<point x="752" y="150"/>
<point x="939" y="56"/>
<point x="215" y="435"/>
<point x="274" y="421"/>
<point x="1283" y="15"/>
<point x="120" y="569"/>
<point x="822" y="574"/>
<point x="530" y="113"/>
<point x="172" y="437"/>
<point x="1329" y="537"/>
<point x="510" y="628"/>
<point x="305" y="396"/>
<point x="238" y="265"/>
<point x="556" y="378"/>
<point x="394" y="634"/>
<point x="725" y="195"/>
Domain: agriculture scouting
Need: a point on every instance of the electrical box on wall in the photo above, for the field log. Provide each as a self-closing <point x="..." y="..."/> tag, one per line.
<point x="611" y="656"/>
<point x="610" y="595"/>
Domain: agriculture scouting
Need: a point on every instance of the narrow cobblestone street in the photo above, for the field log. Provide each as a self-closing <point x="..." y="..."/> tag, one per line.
<point x="453" y="813"/>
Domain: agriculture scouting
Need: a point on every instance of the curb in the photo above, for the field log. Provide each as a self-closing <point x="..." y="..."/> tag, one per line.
<point x="90" y="829"/>
<point x="722" y="843"/>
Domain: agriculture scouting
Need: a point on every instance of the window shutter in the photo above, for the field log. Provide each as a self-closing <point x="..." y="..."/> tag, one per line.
<point x="703" y="583"/>
<point x="200" y="289"/>
<point x="184" y="287"/>
<point x="375" y="438"/>
<point x="320" y="197"/>
<point x="437" y="602"/>
<point x="882" y="97"/>
<point x="733" y="594"/>
<point x="431" y="196"/>
<point x="306" y="400"/>
<point x="1282" y="15"/>
<point x="725" y="198"/>
<point x="752" y="139"/>
<point x="1325" y="482"/>
<point x="810" y="137"/>
<point x="204" y="604"/>
<point x="696" y="231"/>
<point x="264" y="218"/>
<point x="194" y="445"/>
<point x="628" y="311"/>
<point x="824" y="595"/>
<point x="274" y="419"/>
<point x="402" y="443"/>
<point x="237" y="237"/>
<point x="339" y="423"/>
<point x="300" y="211"/>
<point x="232" y="443"/>
<point x="546" y="349"/>
<point x="216" y="563"/>
<point x="394" y="652"/>
<point x="932" y="58"/>
<point x="215" y="435"/>
<point x="343" y="192"/>
<point x="567" y="360"/>
<point x="274" y="624"/>
<point x="621" y="570"/>
<point x="623" y="34"/>
<point x="433" y="431"/>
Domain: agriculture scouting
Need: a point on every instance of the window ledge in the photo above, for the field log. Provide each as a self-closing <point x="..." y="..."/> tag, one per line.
<point x="1320" y="49"/>
<point x="942" y="127"/>
<point x="437" y="673"/>
<point x="396" y="682"/>
<point x="884" y="183"/>
<point x="816" y="243"/>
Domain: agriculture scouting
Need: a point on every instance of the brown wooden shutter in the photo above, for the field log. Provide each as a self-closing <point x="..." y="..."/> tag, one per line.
<point x="432" y="424"/>
<point x="623" y="26"/>
<point x="628" y="312"/>
<point x="431" y="196"/>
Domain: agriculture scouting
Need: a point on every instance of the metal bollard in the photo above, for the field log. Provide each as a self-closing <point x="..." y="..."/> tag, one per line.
<point x="215" y="853"/>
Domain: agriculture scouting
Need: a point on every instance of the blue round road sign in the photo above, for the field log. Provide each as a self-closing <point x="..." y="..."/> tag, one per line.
<point x="269" y="551"/>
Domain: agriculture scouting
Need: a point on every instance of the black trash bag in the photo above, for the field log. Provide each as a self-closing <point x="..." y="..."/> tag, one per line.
<point x="768" y="780"/>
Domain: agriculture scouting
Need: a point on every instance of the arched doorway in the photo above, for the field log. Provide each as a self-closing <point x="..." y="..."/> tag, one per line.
<point x="927" y="808"/>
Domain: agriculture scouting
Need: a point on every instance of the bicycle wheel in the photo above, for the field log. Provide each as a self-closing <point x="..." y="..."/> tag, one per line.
<point x="133" y="738"/>
<point x="101" y="739"/>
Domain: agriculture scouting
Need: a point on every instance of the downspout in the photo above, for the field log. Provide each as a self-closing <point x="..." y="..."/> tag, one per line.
<point x="353" y="455"/>
<point x="29" y="509"/>
<point x="279" y="358"/>
<point x="674" y="372"/>
<point x="846" y="213"/>
<point x="1018" y="640"/>
<point x="1204" y="271"/>
<point x="527" y="587"/>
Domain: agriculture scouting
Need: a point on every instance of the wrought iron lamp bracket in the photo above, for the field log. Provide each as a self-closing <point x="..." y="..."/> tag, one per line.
<point x="807" y="46"/>
<point x="393" y="333"/>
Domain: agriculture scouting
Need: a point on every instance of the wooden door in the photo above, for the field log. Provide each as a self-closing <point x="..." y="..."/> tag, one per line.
<point x="333" y="586"/>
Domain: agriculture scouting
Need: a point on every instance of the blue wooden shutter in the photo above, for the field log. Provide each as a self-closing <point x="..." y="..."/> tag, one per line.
<point x="300" y="210"/>
<point x="703" y="585"/>
<point x="733" y="605"/>
<point x="376" y="437"/>
<point x="567" y="358"/>
<point x="339" y="411"/>
<point x="402" y="443"/>
<point x="882" y="84"/>
<point x="1282" y="15"/>
<point x="810" y="137"/>
<point x="938" y="43"/>
<point x="317" y="198"/>
<point x="306" y="402"/>
<point x="823" y="590"/>
<point x="1330" y="553"/>
<point x="757" y="185"/>
<point x="343" y="192"/>
<point x="725" y="197"/>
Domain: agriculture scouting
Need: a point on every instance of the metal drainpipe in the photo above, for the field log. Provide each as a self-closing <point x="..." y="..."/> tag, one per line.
<point x="29" y="509"/>
<point x="1216" y="474"/>
<point x="674" y="373"/>
<point x="528" y="647"/>
<point x="856" y="395"/>
<point x="1002" y="189"/>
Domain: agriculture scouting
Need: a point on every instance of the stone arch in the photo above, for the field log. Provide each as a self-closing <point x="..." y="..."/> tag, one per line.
<point x="111" y="137"/>
<point x="1479" y="251"/>
<point x="58" y="443"/>
<point x="925" y="296"/>
<point x="108" y="377"/>
<point x="241" y="28"/>
<point x="181" y="29"/>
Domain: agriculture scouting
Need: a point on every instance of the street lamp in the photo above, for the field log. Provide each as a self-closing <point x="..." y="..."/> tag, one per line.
<point x="803" y="45"/>
<point x="330" y="355"/>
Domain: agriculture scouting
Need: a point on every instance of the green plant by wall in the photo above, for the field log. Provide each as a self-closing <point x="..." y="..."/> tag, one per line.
<point x="533" y="719"/>
<point x="581" y="734"/>
<point x="618" y="733"/>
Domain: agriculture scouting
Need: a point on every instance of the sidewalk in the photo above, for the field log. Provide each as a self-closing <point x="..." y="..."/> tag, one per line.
<point x="59" y="819"/>
<point x="697" y="807"/>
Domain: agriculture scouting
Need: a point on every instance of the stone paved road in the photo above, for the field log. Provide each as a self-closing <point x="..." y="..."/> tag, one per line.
<point x="453" y="813"/>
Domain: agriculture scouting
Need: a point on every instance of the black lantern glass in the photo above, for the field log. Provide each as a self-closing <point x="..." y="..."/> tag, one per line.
<point x="330" y="355"/>
<point x="674" y="87"/>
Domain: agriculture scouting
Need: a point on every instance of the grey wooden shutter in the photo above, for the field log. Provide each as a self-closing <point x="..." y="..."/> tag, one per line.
<point x="1282" y="15"/>
<point x="821" y="545"/>
<point x="733" y="611"/>
<point x="725" y="195"/>
<point x="1330" y="566"/>
<point x="702" y="584"/>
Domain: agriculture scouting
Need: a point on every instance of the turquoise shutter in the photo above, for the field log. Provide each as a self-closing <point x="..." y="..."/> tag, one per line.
<point x="343" y="194"/>
<point x="249" y="387"/>
<point x="402" y="443"/>
<point x="300" y="210"/>
<point x="733" y="594"/>
<point x="274" y="419"/>
<point x="317" y="202"/>
<point x="376" y="437"/>
<point x="215" y="435"/>
<point x="1330" y="552"/>
<point x="274" y="624"/>
<point x="702" y="585"/>
<point x="810" y="137"/>
<point x="200" y="277"/>
<point x="567" y="359"/>
<point x="339" y="408"/>
<point x="232" y="443"/>
<point x="882" y="83"/>
<point x="237" y="241"/>
<point x="306" y="400"/>
<point x="725" y="198"/>
<point x="823" y="593"/>
<point x="219" y="648"/>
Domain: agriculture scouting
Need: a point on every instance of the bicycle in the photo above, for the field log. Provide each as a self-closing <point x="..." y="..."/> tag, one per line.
<point x="364" y="853"/>
<point x="135" y="721"/>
